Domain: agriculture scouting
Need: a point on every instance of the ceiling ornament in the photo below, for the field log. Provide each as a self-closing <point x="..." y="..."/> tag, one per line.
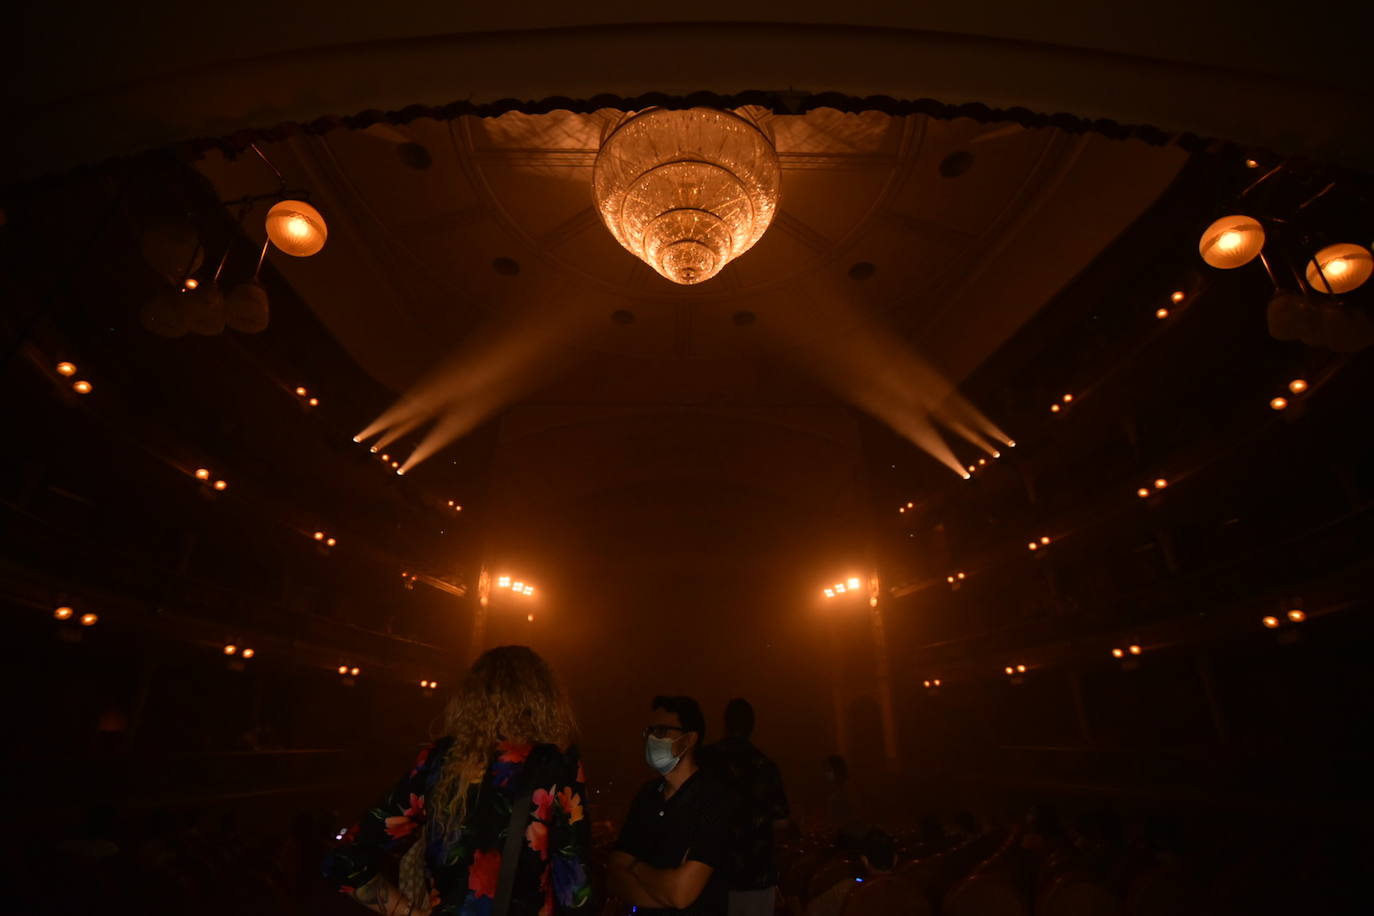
<point x="686" y="191"/>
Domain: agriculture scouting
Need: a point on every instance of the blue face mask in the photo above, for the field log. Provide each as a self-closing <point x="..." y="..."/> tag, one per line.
<point x="658" y="753"/>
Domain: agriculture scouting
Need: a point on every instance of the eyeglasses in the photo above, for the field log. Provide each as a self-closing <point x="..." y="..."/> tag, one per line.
<point x="661" y="731"/>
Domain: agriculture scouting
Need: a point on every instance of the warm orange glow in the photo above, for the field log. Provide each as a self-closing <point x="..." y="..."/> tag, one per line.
<point x="1339" y="268"/>
<point x="1117" y="653"/>
<point x="81" y="387"/>
<point x="1251" y="164"/>
<point x="301" y="392"/>
<point x="872" y="602"/>
<point x="319" y="535"/>
<point x="314" y="402"/>
<point x="433" y="685"/>
<point x="424" y="683"/>
<point x="88" y="620"/>
<point x="1133" y="649"/>
<point x="1142" y="492"/>
<point x="1160" y="483"/>
<point x="852" y="582"/>
<point x="949" y="579"/>
<point x="457" y="508"/>
<point x="1021" y="669"/>
<point x="1297" y="386"/>
<point x="1278" y="403"/>
<point x="1161" y="313"/>
<point x="248" y="653"/>
<point x="385" y="456"/>
<point x="971" y="469"/>
<point x="66" y="369"/>
<point x="518" y="586"/>
<point x="830" y="593"/>
<point x="530" y="618"/>
<point x="1271" y="622"/>
<point x="1176" y="296"/>
<point x="1044" y="538"/>
<point x="1033" y="546"/>
<point x="202" y="473"/>
<point x="1010" y="670"/>
<point x="221" y="485"/>
<point x="343" y="669"/>
<point x="911" y="505"/>
<point x="503" y="582"/>
<point x="1232" y="241"/>
<point x="529" y="589"/>
<point x="937" y="682"/>
<point x="1068" y="399"/>
<point x="296" y="228"/>
<point x="982" y="462"/>
<point x="191" y="283"/>
<point x="395" y="464"/>
<point x="230" y="649"/>
<point x="902" y="510"/>
<point x="1054" y="408"/>
<point x="355" y="671"/>
<point x="63" y="613"/>
<point x="961" y="575"/>
<point x="927" y="683"/>
<point x="1297" y="616"/>
<point x="330" y="542"/>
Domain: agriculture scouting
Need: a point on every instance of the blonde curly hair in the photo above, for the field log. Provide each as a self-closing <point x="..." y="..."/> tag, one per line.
<point x="509" y="694"/>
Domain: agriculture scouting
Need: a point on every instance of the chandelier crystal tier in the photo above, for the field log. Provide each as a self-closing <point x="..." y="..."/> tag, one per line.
<point x="686" y="191"/>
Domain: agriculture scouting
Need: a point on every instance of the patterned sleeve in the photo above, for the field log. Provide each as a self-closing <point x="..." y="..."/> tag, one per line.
<point x="390" y="828"/>
<point x="572" y="889"/>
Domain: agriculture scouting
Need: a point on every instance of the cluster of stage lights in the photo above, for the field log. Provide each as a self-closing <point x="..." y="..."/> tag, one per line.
<point x="1132" y="649"/>
<point x="1014" y="670"/>
<point x="1036" y="545"/>
<point x="1146" y="492"/>
<point x="1294" y="616"/>
<point x="516" y="586"/>
<point x="1066" y="399"/>
<point x="429" y="685"/>
<point x="852" y="584"/>
<point x="933" y="682"/>
<point x="452" y="504"/>
<point x="304" y="394"/>
<point x="1297" y="386"/>
<point x="66" y="613"/>
<point x="245" y="652"/>
<point x="956" y="578"/>
<point x="204" y="475"/>
<point x="67" y="370"/>
<point x="325" y="539"/>
<point x="386" y="459"/>
<point x="1175" y="297"/>
<point x="980" y="464"/>
<point x="346" y="671"/>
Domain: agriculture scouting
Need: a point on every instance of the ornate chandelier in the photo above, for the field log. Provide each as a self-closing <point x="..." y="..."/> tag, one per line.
<point x="686" y="191"/>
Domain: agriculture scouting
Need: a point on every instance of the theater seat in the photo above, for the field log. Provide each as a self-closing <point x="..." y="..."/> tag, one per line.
<point x="888" y="895"/>
<point x="988" y="894"/>
<point x="829" y="875"/>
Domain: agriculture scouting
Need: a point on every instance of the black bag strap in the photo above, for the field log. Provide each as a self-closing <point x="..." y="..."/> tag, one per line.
<point x="510" y="858"/>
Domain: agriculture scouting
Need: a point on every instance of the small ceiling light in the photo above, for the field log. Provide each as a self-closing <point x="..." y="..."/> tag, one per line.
<point x="1278" y="403"/>
<point x="457" y="508"/>
<point x="330" y="542"/>
<point x="319" y="535"/>
<point x="1010" y="669"/>
<point x="1271" y="622"/>
<point x="927" y="683"/>
<point x="1161" y="313"/>
<point x="88" y="620"/>
<point x="313" y="402"/>
<point x="949" y="579"/>
<point x="1044" y="539"/>
<point x="296" y="228"/>
<point x="1297" y="616"/>
<point x="1020" y="669"/>
<point x="1297" y="386"/>
<point x="1011" y="444"/>
<point x="1054" y="408"/>
<point x="248" y="653"/>
<point x="1068" y="399"/>
<point x="936" y="682"/>
<point x="902" y="510"/>
<point x="424" y="683"/>
<point x="911" y="505"/>
<point x="1032" y="546"/>
<point x="230" y="649"/>
<point x="385" y="456"/>
<point x="1142" y="492"/>
<point x="1251" y="164"/>
<point x="982" y="462"/>
<point x="971" y="469"/>
<point x="518" y="586"/>
<point x="1133" y="649"/>
<point x="63" y="613"/>
<point x="1177" y="296"/>
<point x="355" y="671"/>
<point x="81" y="387"/>
<point x="1232" y="241"/>
<point x="450" y="502"/>
<point x="830" y="593"/>
<point x="839" y="588"/>
<point x="66" y="369"/>
<point x="301" y="392"/>
<point x="372" y="449"/>
<point x="872" y="601"/>
<point x="503" y="582"/>
<point x="853" y="582"/>
<point x="343" y="669"/>
<point x="961" y="575"/>
<point x="202" y="473"/>
<point x="529" y="589"/>
<point x="1339" y="268"/>
<point x="1117" y="653"/>
<point x="221" y="485"/>
<point x="191" y="283"/>
<point x="530" y="618"/>
<point x="395" y="464"/>
<point x="433" y="685"/>
<point x="1160" y="483"/>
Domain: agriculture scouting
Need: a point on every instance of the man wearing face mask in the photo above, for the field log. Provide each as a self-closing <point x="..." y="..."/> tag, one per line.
<point x="669" y="855"/>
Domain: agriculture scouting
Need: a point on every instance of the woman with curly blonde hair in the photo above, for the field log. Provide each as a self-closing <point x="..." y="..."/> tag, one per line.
<point x="494" y="807"/>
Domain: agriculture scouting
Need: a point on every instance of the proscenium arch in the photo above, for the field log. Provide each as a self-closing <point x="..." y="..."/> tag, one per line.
<point x="587" y="66"/>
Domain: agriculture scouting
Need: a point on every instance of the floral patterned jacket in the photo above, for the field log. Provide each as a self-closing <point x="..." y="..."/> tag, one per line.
<point x="551" y="877"/>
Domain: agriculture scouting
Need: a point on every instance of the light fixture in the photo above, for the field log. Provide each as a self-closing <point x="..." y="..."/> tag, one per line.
<point x="1010" y="669"/>
<point x="1297" y="386"/>
<point x="839" y="588"/>
<point x="1054" y="408"/>
<point x="503" y="582"/>
<point x="971" y="469"/>
<point x="1020" y="669"/>
<point x="1142" y="492"/>
<point x="424" y="683"/>
<point x="1160" y="483"/>
<point x="1133" y="649"/>
<point x="66" y="369"/>
<point x="982" y="462"/>
<point x="830" y="593"/>
<point x="1339" y="268"/>
<point x="330" y="542"/>
<point x="313" y="402"/>
<point x="961" y="575"/>
<point x="247" y="653"/>
<point x="1177" y="295"/>
<point x="296" y="228"/>
<point x="1044" y="539"/>
<point x="1032" y="546"/>
<point x="202" y="473"/>
<point x="529" y="589"/>
<point x="686" y="191"/>
<point x="1271" y="622"/>
<point x="530" y="618"/>
<point x="1232" y="241"/>
<point x="355" y="671"/>
<point x="1161" y="313"/>
<point x="872" y="600"/>
<point x="63" y="613"/>
<point x="221" y="485"/>
<point x="936" y="682"/>
<point x="301" y="392"/>
<point x="1117" y="653"/>
<point x="191" y="283"/>
<point x="1068" y="399"/>
<point x="81" y="386"/>
<point x="385" y="456"/>
<point x="949" y="579"/>
<point x="518" y="586"/>
<point x="230" y="649"/>
<point x="319" y="535"/>
<point x="1278" y="403"/>
<point x="450" y="503"/>
<point x="853" y="582"/>
<point x="911" y="505"/>
<point x="88" y="620"/>
<point x="1297" y="616"/>
<point x="927" y="683"/>
<point x="343" y="669"/>
<point x="1251" y="164"/>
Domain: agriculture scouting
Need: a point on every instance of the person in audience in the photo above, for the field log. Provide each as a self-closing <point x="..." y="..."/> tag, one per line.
<point x="841" y="807"/>
<point x="507" y="746"/>
<point x="878" y="856"/>
<point x="760" y="810"/>
<point x="670" y="853"/>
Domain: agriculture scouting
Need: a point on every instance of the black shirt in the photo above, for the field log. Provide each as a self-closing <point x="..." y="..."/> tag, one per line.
<point x="755" y="786"/>
<point x="691" y="825"/>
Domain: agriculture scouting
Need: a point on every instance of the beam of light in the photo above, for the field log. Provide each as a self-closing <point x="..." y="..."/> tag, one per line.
<point x="493" y="367"/>
<point x="833" y="337"/>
